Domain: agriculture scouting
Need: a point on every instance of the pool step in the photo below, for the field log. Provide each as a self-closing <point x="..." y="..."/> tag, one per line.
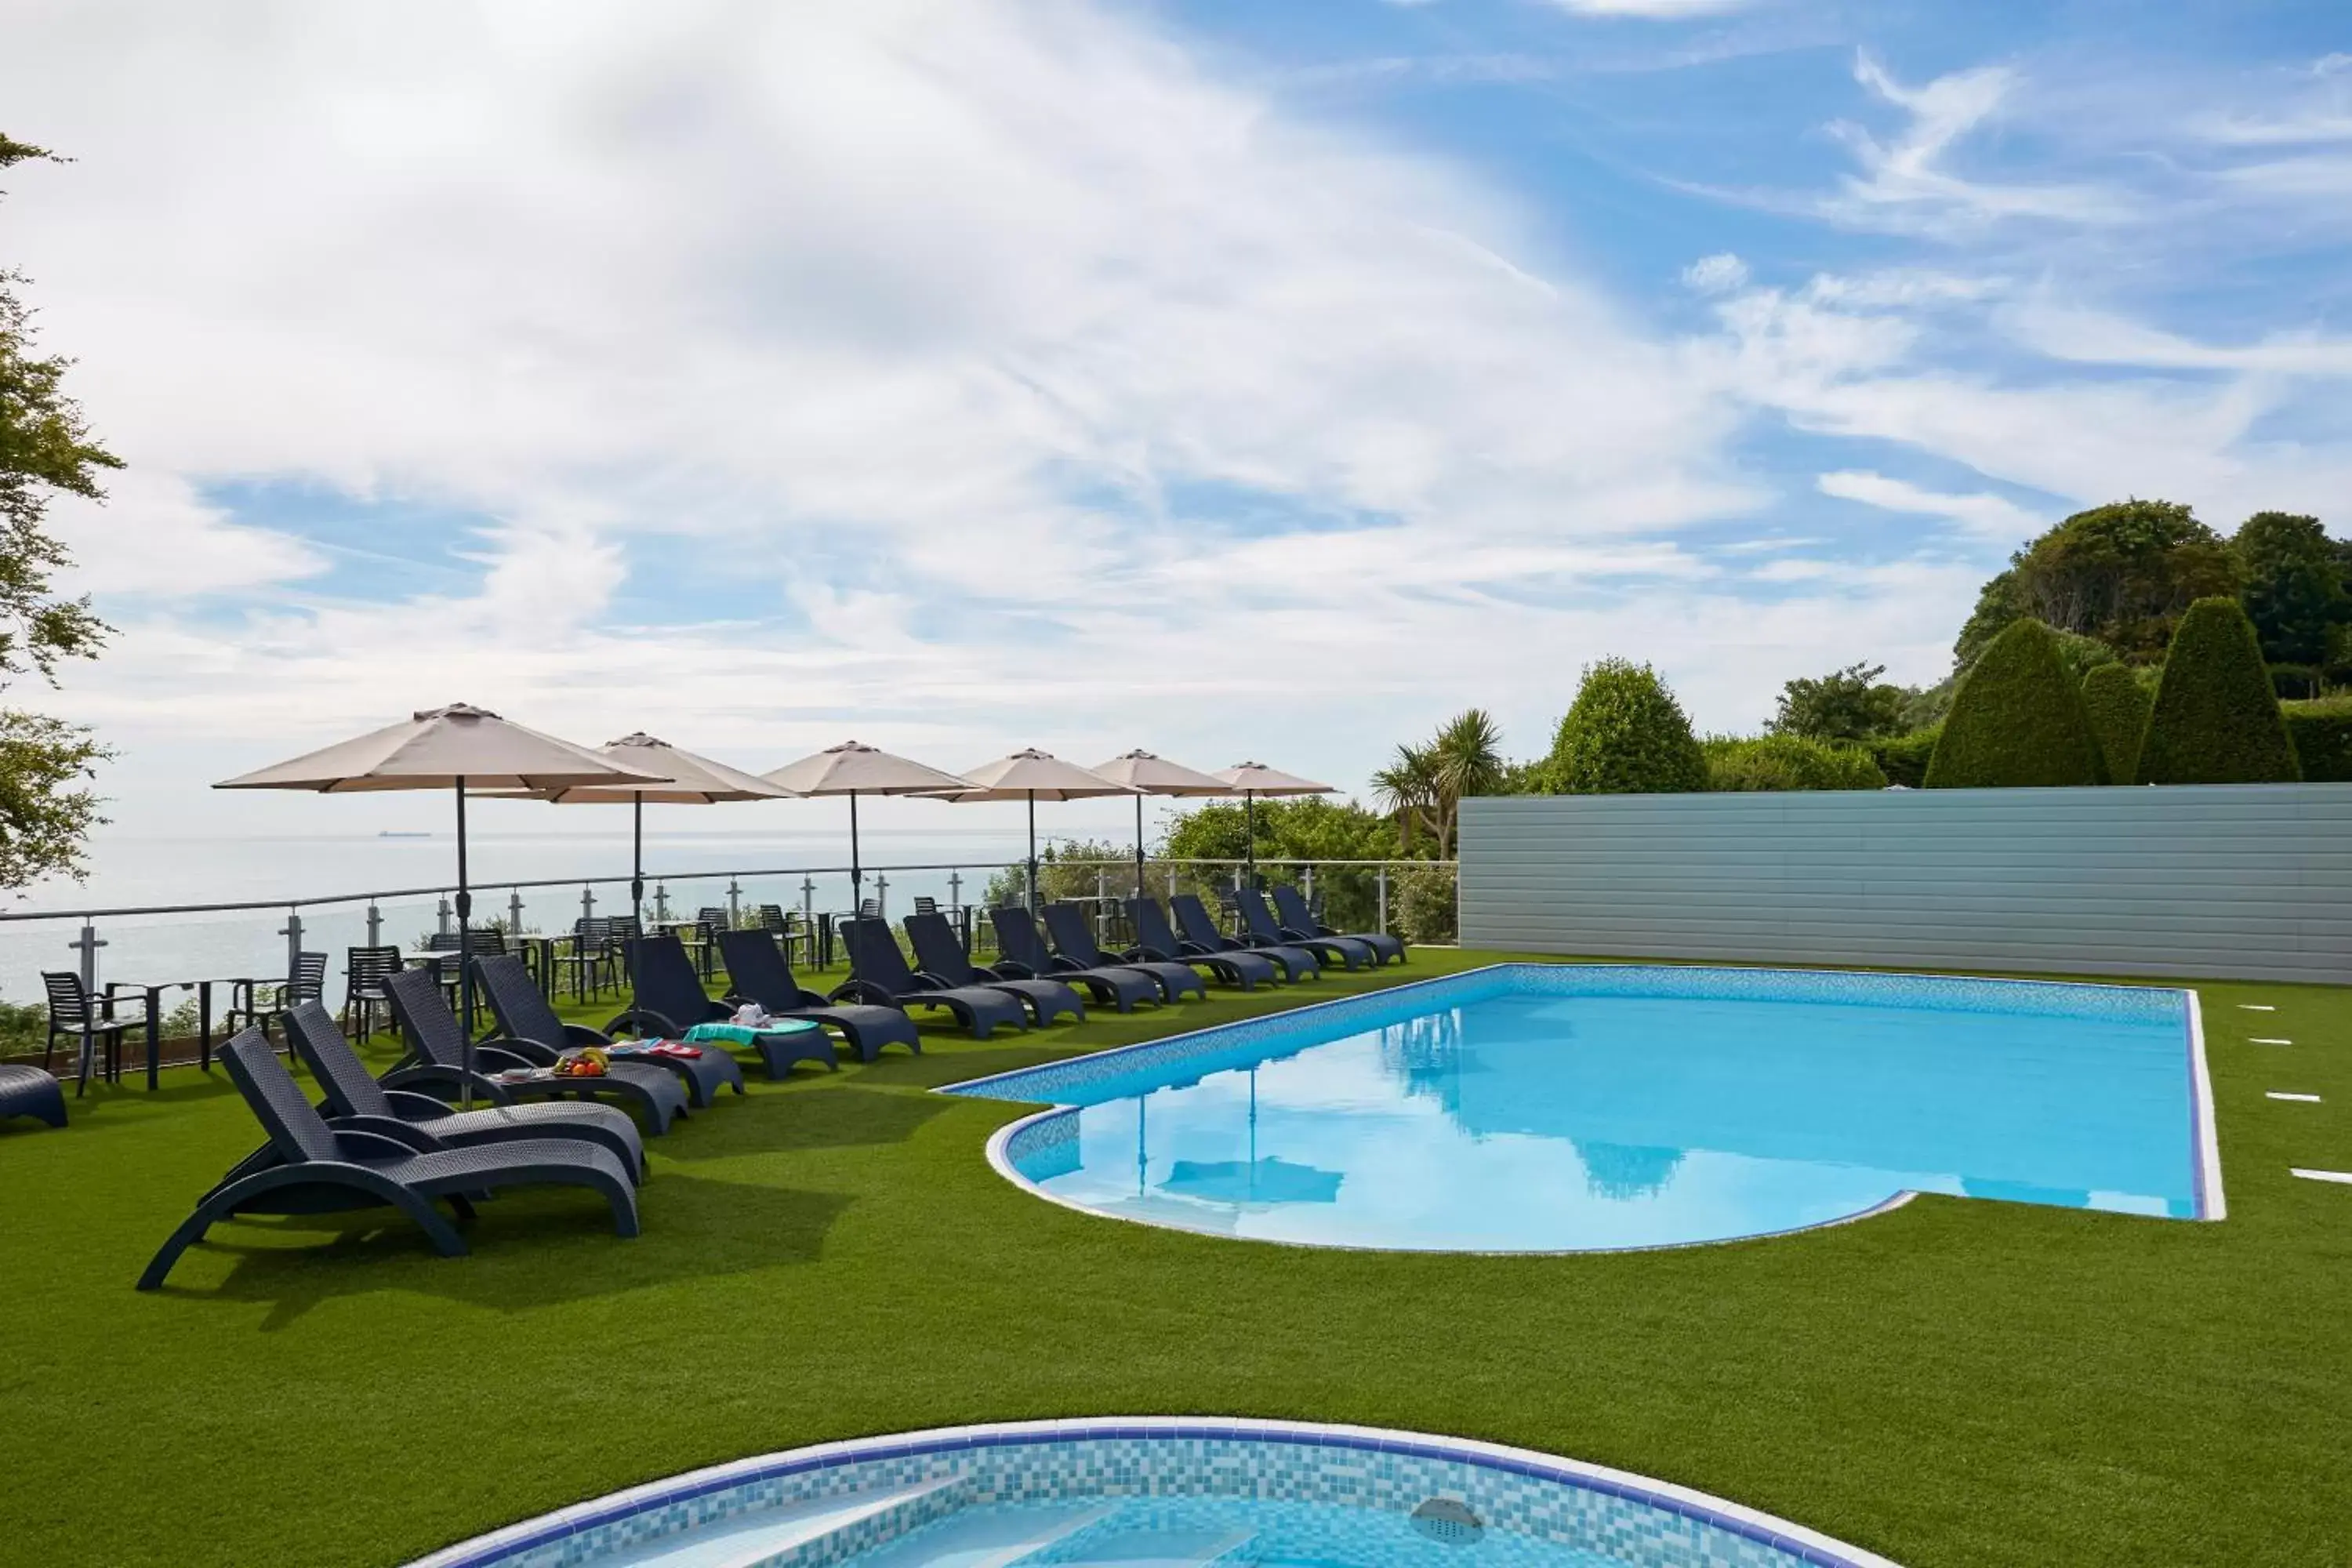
<point x="772" y="1536"/>
<point x="1156" y="1549"/>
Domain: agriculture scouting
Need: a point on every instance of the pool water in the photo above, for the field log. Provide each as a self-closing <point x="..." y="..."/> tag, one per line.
<point x="1541" y="1108"/>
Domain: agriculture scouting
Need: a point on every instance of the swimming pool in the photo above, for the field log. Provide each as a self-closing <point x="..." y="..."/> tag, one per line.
<point x="1157" y="1492"/>
<point x="1539" y="1107"/>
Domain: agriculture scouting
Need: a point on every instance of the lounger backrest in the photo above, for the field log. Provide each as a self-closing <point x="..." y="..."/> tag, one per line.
<point x="756" y="968"/>
<point x="1193" y="919"/>
<point x="1074" y="938"/>
<point x="1293" y="909"/>
<point x="425" y="1019"/>
<point x="350" y="1090"/>
<point x="937" y="948"/>
<point x="1017" y="938"/>
<point x="1152" y="927"/>
<point x="517" y="1001"/>
<point x="298" y="1133"/>
<point x="665" y="981"/>
<point x="875" y="953"/>
<point x="1256" y="917"/>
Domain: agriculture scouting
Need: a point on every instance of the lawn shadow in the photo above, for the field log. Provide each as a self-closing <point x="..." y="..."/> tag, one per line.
<point x="819" y="1116"/>
<point x="529" y="1248"/>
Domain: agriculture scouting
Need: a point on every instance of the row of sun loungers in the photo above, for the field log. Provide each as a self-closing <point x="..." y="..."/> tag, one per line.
<point x="397" y="1142"/>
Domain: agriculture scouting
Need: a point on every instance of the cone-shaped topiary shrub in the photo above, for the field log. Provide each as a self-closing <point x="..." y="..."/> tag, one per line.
<point x="2216" y="720"/>
<point x="2017" y="719"/>
<point x="2118" y="705"/>
<point x="1625" y="734"/>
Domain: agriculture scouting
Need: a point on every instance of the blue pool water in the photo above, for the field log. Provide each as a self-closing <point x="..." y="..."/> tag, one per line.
<point x="1542" y="1108"/>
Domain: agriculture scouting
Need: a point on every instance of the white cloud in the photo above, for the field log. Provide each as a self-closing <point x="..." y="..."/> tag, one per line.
<point x="1900" y="286"/>
<point x="153" y="537"/>
<point x="1722" y="273"/>
<point x="1991" y="517"/>
<point x="2098" y="337"/>
<point x="1657" y="10"/>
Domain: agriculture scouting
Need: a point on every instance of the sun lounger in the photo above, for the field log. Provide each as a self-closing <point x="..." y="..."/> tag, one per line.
<point x="941" y="957"/>
<point x="1156" y="938"/>
<point x="351" y="1090"/>
<point x="1022" y="952"/>
<point x="385" y="1163"/>
<point x="506" y="1070"/>
<point x="1299" y="920"/>
<point x="882" y="975"/>
<point x="1267" y="931"/>
<point x="1074" y="939"/>
<point x="31" y="1091"/>
<point x="1193" y="920"/>
<point x="656" y="962"/>
<point x="758" y="971"/>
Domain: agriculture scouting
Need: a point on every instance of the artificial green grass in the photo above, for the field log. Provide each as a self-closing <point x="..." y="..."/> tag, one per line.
<point x="1957" y="1382"/>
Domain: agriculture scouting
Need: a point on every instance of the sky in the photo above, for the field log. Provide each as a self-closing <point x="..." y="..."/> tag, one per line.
<point x="1226" y="379"/>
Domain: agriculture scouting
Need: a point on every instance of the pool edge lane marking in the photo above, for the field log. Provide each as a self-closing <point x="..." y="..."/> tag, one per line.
<point x="2281" y="1094"/>
<point x="2257" y="1008"/>
<point x="2343" y="1176"/>
<point x="2269" y="1040"/>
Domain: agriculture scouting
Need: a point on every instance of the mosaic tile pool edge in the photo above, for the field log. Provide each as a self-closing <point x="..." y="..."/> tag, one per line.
<point x="1525" y="1493"/>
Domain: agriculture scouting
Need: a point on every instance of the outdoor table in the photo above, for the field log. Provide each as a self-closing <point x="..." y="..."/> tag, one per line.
<point x="203" y="987"/>
<point x="538" y="954"/>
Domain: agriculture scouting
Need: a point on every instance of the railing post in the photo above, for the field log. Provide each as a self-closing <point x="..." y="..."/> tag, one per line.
<point x="1102" y="904"/>
<point x="87" y="944"/>
<point x="955" y="892"/>
<point x="734" y="905"/>
<point x="881" y="898"/>
<point x="376" y="925"/>
<point x="808" y="910"/>
<point x="1308" y="877"/>
<point x="661" y="902"/>
<point x="441" y="918"/>
<point x="1381" y="878"/>
<point x="292" y="931"/>
<point x="514" y="913"/>
<point x="587" y="902"/>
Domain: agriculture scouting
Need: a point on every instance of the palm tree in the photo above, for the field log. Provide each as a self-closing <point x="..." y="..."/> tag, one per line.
<point x="1467" y="756"/>
<point x="1408" y="787"/>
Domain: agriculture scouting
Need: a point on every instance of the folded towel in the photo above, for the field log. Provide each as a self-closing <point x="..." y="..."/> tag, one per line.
<point x="742" y="1035"/>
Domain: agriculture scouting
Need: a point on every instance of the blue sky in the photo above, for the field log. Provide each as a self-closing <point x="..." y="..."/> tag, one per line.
<point x="1227" y="379"/>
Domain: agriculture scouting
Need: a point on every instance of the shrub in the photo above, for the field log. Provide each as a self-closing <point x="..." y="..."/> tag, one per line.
<point x="2215" y="720"/>
<point x="2119" y="703"/>
<point x="1904" y="759"/>
<point x="1424" y="907"/>
<point x="2017" y="719"/>
<point x="1625" y="734"/>
<point x="1787" y="762"/>
<point x="2322" y="733"/>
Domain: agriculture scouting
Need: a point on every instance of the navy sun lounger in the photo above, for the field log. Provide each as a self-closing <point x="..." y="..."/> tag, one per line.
<point x="387" y="1163"/>
<point x="1299" y="920"/>
<point x="665" y="1000"/>
<point x="1021" y="952"/>
<point x="1259" y="921"/>
<point x="1074" y="939"/>
<point x="31" y="1091"/>
<point x="883" y="976"/>
<point x="436" y="1061"/>
<point x="1194" y="920"/>
<point x="757" y="971"/>
<point x="942" y="957"/>
<point x="524" y="1014"/>
<point x="1156" y="938"/>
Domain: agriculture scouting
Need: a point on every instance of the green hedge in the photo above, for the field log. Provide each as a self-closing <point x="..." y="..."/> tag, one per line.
<point x="2216" y="719"/>
<point x="1903" y="758"/>
<point x="2119" y="704"/>
<point x="2017" y="721"/>
<point x="1625" y="734"/>
<point x="2322" y="733"/>
<point x="1787" y="762"/>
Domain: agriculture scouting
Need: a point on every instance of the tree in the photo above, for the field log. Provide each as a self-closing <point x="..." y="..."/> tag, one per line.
<point x="2122" y="574"/>
<point x="1407" y="790"/>
<point x="2294" y="591"/>
<point x="1787" y="762"/>
<point x="1625" y="734"/>
<point x="45" y="447"/>
<point x="2017" y="721"/>
<point x="1849" y="705"/>
<point x="2118" y="701"/>
<point x="2215" y="720"/>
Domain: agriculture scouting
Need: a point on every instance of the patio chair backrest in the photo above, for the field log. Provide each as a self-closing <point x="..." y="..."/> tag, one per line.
<point x="426" y="1022"/>
<point x="309" y="980"/>
<point x="351" y="1091"/>
<point x="1152" y="927"/>
<point x="771" y="917"/>
<point x="69" y="1003"/>
<point x="874" y="953"/>
<point x="366" y="969"/>
<point x="663" y="981"/>
<point x="298" y="1133"/>
<point x="937" y="948"/>
<point x="926" y="905"/>
<point x="713" y="919"/>
<point x="517" y="1001"/>
<point x="869" y="908"/>
<point x="757" y="969"/>
<point x="1073" y="934"/>
<point x="1193" y="920"/>
<point x="1017" y="938"/>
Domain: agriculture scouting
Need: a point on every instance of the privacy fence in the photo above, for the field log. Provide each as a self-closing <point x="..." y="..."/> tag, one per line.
<point x="2249" y="881"/>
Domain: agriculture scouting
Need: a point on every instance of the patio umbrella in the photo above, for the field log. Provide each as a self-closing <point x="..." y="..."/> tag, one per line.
<point x="1251" y="780"/>
<point x="852" y="769"/>
<point x="689" y="781"/>
<point x="1148" y="774"/>
<point x="1033" y="775"/>
<point x="449" y="748"/>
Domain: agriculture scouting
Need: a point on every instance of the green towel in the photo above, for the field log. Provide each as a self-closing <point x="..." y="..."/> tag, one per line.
<point x="742" y="1035"/>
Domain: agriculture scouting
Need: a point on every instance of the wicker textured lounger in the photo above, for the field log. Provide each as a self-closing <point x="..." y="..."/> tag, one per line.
<point x="944" y="959"/>
<point x="387" y="1163"/>
<point x="1194" y="920"/>
<point x="883" y="976"/>
<point x="1074" y="939"/>
<point x="1290" y="905"/>
<point x="757" y="971"/>
<point x="438" y="1046"/>
<point x="523" y="1014"/>
<point x="31" y="1091"/>
<point x="1259" y="921"/>
<point x="1023" y="953"/>
<point x="1156" y="938"/>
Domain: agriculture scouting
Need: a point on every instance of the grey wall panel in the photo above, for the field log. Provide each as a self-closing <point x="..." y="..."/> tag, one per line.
<point x="2251" y="881"/>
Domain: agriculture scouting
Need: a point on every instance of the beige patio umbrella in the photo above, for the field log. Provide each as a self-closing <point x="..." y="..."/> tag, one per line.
<point x="852" y="769"/>
<point x="689" y="779"/>
<point x="1251" y="780"/>
<point x="1148" y="774"/>
<point x="1033" y="775"/>
<point x="449" y="748"/>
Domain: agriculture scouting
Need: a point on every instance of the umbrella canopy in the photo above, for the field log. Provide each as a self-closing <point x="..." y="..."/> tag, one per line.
<point x="1034" y="776"/>
<point x="1251" y="780"/>
<point x="449" y="748"/>
<point x="689" y="779"/>
<point x="854" y="768"/>
<point x="1149" y="775"/>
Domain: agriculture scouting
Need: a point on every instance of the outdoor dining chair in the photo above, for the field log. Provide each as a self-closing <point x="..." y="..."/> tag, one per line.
<point x="91" y="1021"/>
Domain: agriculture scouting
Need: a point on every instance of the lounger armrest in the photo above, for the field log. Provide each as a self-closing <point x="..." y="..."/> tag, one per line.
<point x="1061" y="965"/>
<point x="809" y="999"/>
<point x="360" y="1147"/>
<point x="1011" y="969"/>
<point x="982" y="973"/>
<point x="862" y="991"/>
<point x="452" y="1080"/>
<point x="415" y="1139"/>
<point x="1147" y="954"/>
<point x="645" y="1021"/>
<point x="411" y="1106"/>
<point x="933" y="980"/>
<point x="582" y="1034"/>
<point x="497" y="1058"/>
<point x="528" y="1053"/>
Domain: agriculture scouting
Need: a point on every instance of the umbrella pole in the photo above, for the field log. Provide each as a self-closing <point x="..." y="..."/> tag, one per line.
<point x="637" y="857"/>
<point x="1139" y="846"/>
<point x="465" y="957"/>
<point x="1033" y="851"/>
<point x="857" y="884"/>
<point x="1249" y="832"/>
